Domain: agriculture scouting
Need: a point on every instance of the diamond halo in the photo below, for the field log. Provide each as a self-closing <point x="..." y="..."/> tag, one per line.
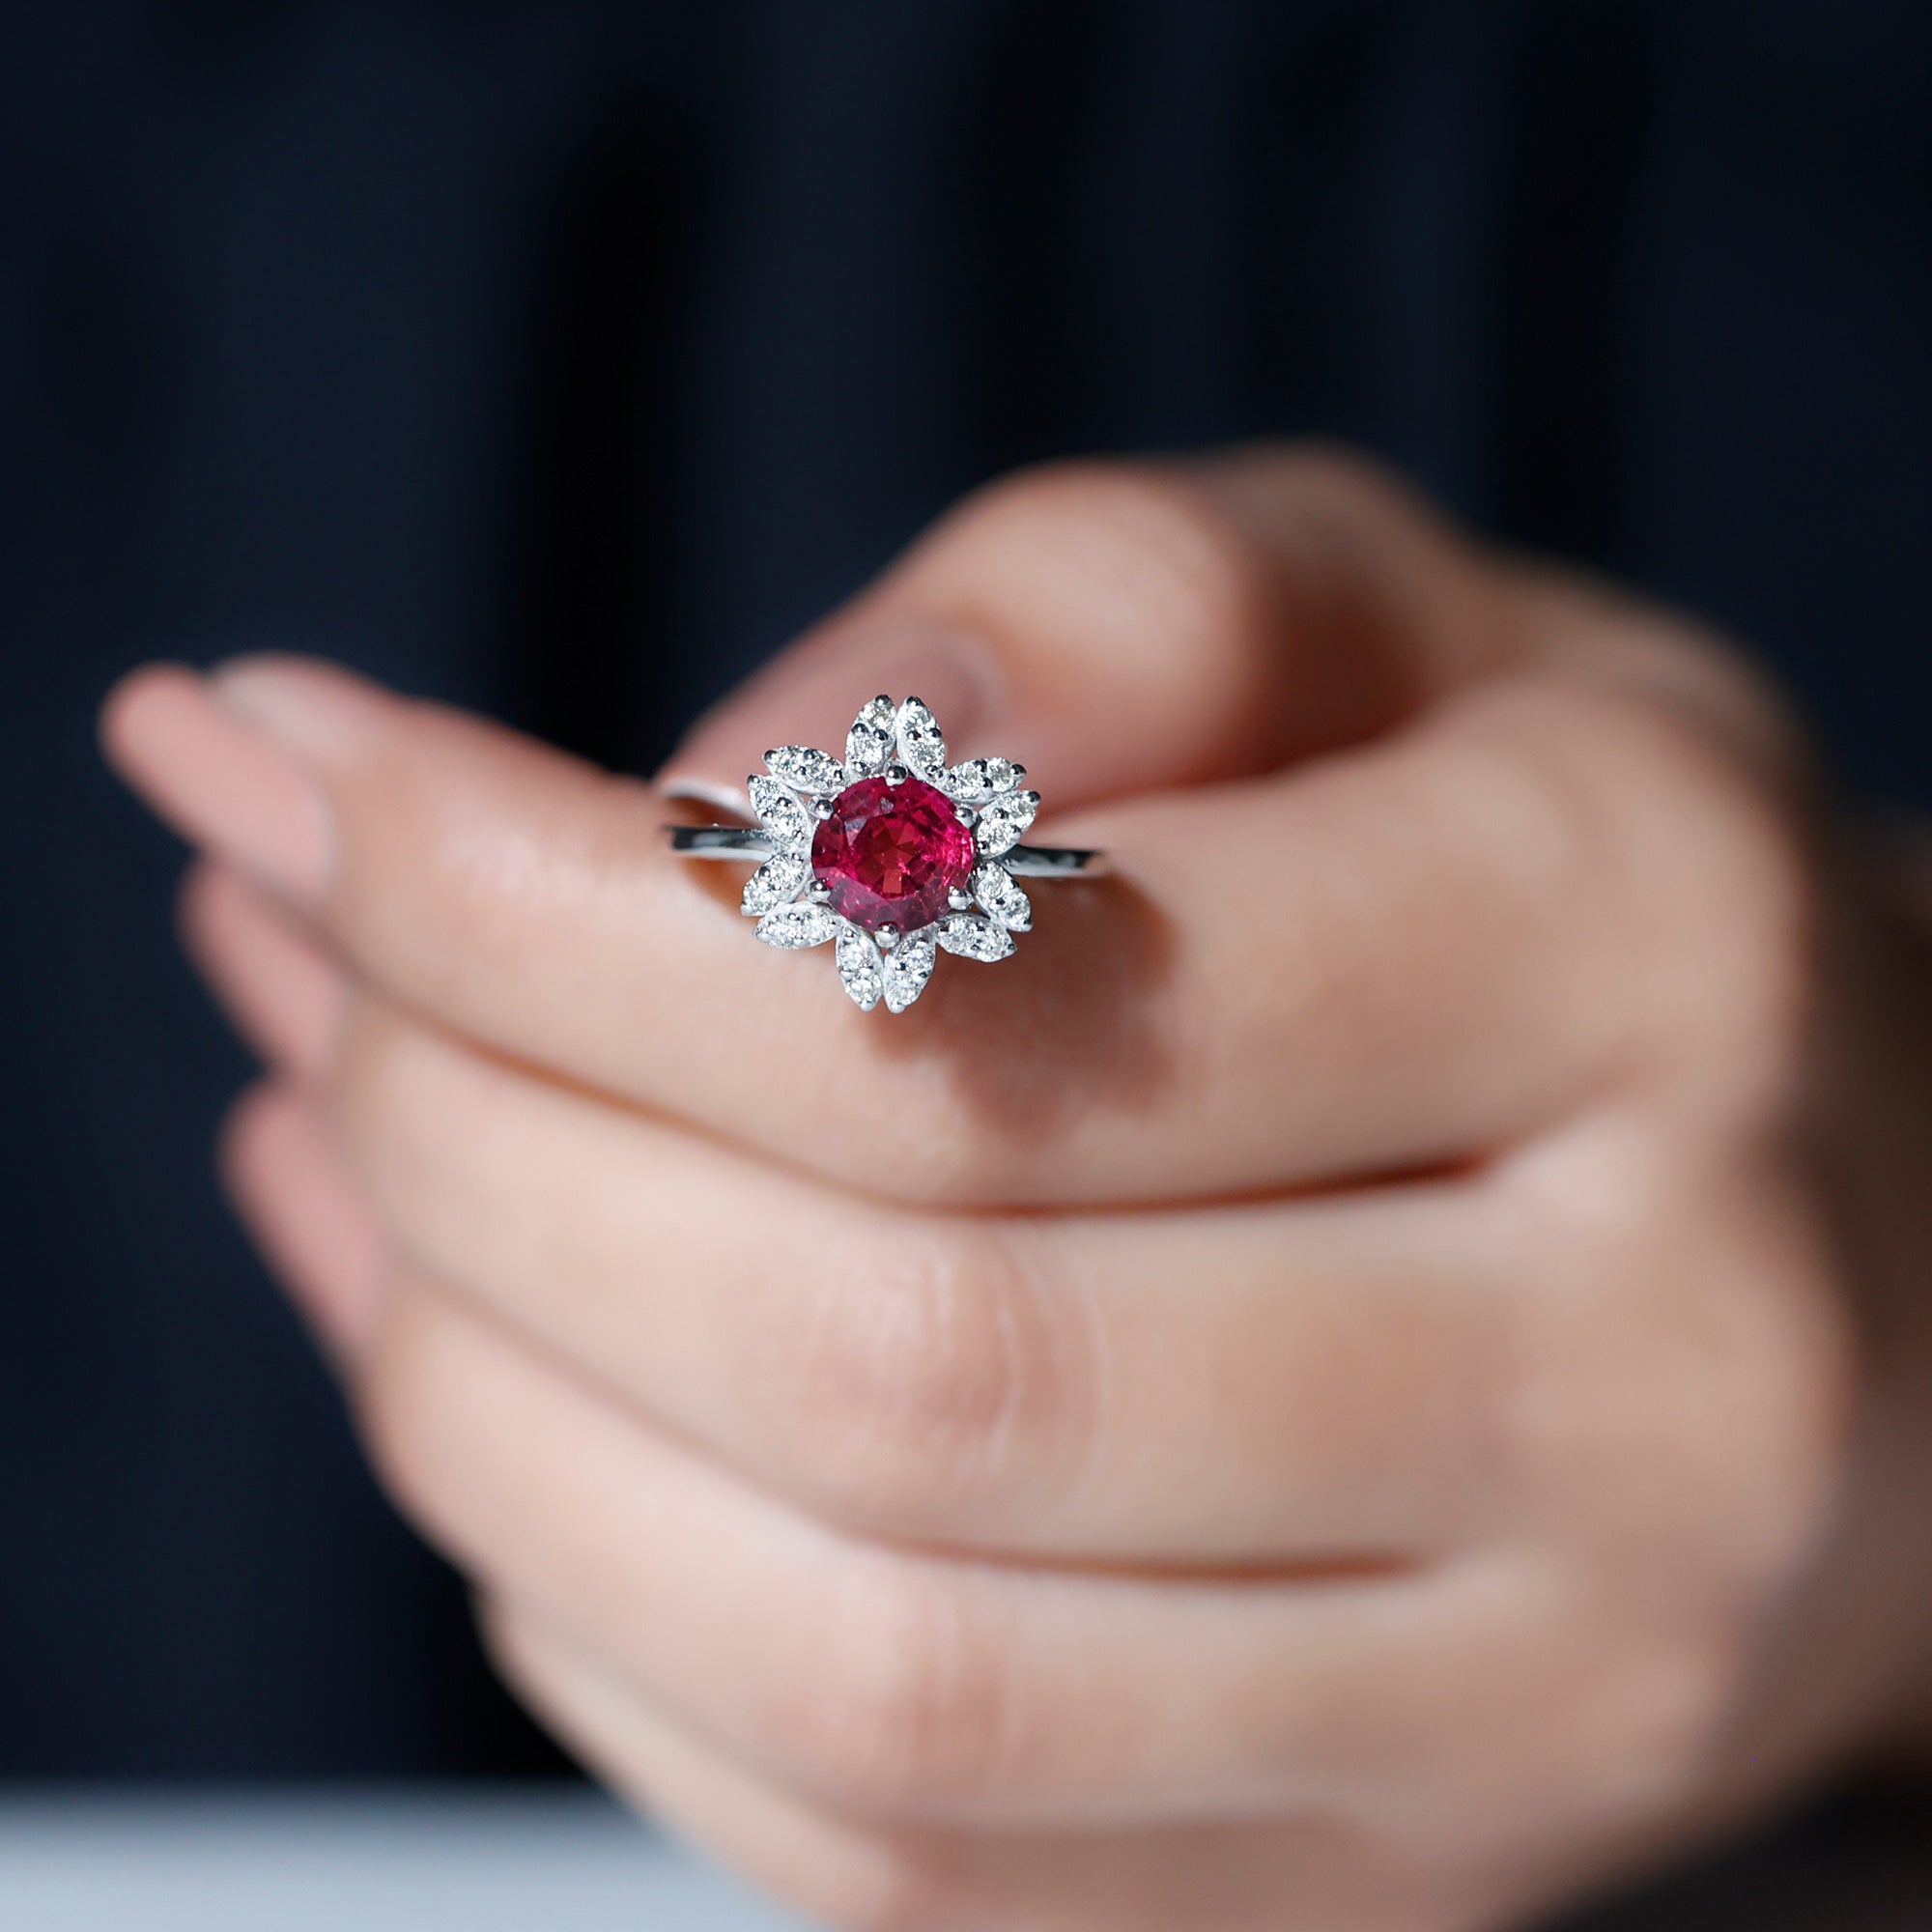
<point x="890" y="854"/>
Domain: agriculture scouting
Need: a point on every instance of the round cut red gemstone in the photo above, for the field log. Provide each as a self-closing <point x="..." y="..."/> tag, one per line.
<point x="892" y="854"/>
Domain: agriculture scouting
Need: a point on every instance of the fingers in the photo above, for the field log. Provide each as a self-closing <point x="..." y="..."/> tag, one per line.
<point x="519" y="896"/>
<point x="892" y="1681"/>
<point x="1308" y="1382"/>
<point x="1272" y="1876"/>
<point x="1430" y="945"/>
<point x="898" y="1682"/>
<point x="842" y="1873"/>
<point x="883" y="1680"/>
<point x="1388" y="959"/>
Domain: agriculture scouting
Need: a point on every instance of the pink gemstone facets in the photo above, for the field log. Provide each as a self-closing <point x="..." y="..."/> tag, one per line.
<point x="892" y="854"/>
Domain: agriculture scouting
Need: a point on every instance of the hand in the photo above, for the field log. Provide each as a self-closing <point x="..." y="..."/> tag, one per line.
<point x="1335" y="1390"/>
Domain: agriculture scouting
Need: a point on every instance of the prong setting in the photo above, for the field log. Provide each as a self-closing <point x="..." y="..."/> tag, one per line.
<point x="891" y="829"/>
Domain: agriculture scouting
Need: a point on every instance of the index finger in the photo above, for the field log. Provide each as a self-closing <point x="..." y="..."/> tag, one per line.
<point x="1381" y="960"/>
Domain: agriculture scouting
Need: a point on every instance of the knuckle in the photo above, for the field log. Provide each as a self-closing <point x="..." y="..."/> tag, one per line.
<point x="910" y="1704"/>
<point x="938" y="1366"/>
<point x="1729" y="849"/>
<point x="1698" y="1379"/>
<point x="1643" y="1695"/>
<point x="1643" y="1730"/>
<point x="1705" y="892"/>
<point x="1779" y="1388"/>
<point x="1742" y="913"/>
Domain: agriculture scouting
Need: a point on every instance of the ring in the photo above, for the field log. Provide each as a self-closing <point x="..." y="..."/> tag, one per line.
<point x="891" y="853"/>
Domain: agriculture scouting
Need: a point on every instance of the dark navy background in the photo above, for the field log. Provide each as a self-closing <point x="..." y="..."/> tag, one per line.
<point x="563" y="359"/>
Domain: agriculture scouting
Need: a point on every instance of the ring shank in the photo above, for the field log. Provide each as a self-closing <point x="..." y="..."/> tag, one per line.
<point x="748" y="842"/>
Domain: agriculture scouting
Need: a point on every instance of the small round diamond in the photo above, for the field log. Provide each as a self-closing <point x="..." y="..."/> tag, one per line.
<point x="892" y="854"/>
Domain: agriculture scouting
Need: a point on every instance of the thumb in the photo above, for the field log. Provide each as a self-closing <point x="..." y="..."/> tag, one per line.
<point x="1131" y="627"/>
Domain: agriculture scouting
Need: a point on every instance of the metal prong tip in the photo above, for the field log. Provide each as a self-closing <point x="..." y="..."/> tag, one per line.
<point x="887" y="937"/>
<point x="966" y="815"/>
<point x="818" y="892"/>
<point x="884" y="697"/>
<point x="1019" y="776"/>
<point x="823" y="807"/>
<point x="897" y="774"/>
<point x="958" y="900"/>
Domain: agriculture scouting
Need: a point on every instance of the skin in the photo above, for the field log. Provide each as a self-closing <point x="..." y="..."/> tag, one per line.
<point x="1371" y="1378"/>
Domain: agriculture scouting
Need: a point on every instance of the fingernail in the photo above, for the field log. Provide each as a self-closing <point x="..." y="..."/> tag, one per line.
<point x="318" y="711"/>
<point x="810" y="694"/>
<point x="208" y="767"/>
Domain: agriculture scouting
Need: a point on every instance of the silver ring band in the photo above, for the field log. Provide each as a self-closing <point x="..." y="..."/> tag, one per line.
<point x="746" y="842"/>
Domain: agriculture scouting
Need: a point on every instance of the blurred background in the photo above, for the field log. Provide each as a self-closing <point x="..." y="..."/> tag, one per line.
<point x="563" y="359"/>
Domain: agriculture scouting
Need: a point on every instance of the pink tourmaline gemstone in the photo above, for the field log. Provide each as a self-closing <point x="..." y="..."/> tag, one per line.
<point x="892" y="854"/>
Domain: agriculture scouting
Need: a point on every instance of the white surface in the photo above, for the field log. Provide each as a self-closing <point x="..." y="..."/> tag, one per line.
<point x="374" y="1862"/>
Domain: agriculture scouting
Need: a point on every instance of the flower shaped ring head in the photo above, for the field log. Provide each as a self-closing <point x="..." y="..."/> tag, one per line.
<point x="889" y="854"/>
